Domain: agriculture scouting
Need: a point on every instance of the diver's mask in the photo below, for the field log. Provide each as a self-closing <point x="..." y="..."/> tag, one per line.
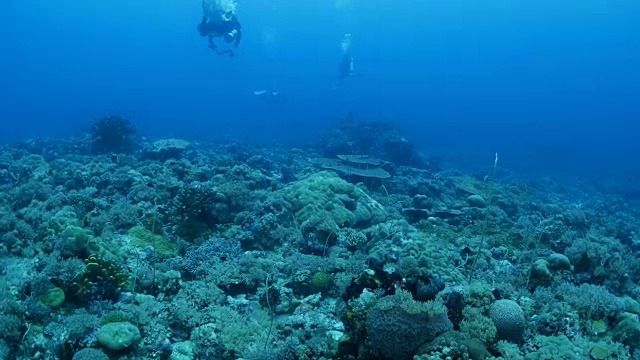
<point x="231" y="36"/>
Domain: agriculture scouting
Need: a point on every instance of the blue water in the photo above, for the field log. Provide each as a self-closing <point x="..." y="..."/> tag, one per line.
<point x="553" y="86"/>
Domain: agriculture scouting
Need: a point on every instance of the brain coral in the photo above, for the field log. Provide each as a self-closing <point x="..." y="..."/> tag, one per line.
<point x="509" y="319"/>
<point x="397" y="325"/>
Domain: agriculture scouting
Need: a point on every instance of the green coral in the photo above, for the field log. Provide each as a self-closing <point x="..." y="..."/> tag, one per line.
<point x="599" y="327"/>
<point x="599" y="352"/>
<point x="325" y="192"/>
<point x="353" y="238"/>
<point x="74" y="239"/>
<point x="405" y="301"/>
<point x="321" y="282"/>
<point x="480" y="295"/>
<point x="141" y="237"/>
<point x="102" y="278"/>
<point x="114" y="317"/>
<point x="478" y="326"/>
<point x="53" y="298"/>
<point x="118" y="335"/>
<point x="627" y="330"/>
<point x="57" y="223"/>
<point x="508" y="351"/>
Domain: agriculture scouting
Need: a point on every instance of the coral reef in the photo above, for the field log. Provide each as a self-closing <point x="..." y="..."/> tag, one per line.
<point x="354" y="247"/>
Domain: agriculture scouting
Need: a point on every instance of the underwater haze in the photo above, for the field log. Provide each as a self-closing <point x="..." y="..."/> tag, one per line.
<point x="551" y="85"/>
<point x="320" y="179"/>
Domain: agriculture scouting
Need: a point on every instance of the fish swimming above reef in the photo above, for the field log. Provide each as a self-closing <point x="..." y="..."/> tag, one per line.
<point x="265" y="93"/>
<point x="271" y="96"/>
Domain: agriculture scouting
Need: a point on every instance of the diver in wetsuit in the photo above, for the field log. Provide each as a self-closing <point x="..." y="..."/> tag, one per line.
<point x="345" y="69"/>
<point x="229" y="29"/>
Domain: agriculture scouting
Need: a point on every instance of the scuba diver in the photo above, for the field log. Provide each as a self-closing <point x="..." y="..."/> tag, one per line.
<point x="345" y="69"/>
<point x="228" y="28"/>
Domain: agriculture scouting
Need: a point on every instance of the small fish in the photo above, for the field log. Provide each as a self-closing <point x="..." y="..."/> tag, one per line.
<point x="265" y="93"/>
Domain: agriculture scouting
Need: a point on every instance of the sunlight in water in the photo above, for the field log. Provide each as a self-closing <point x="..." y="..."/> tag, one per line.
<point x="339" y="4"/>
